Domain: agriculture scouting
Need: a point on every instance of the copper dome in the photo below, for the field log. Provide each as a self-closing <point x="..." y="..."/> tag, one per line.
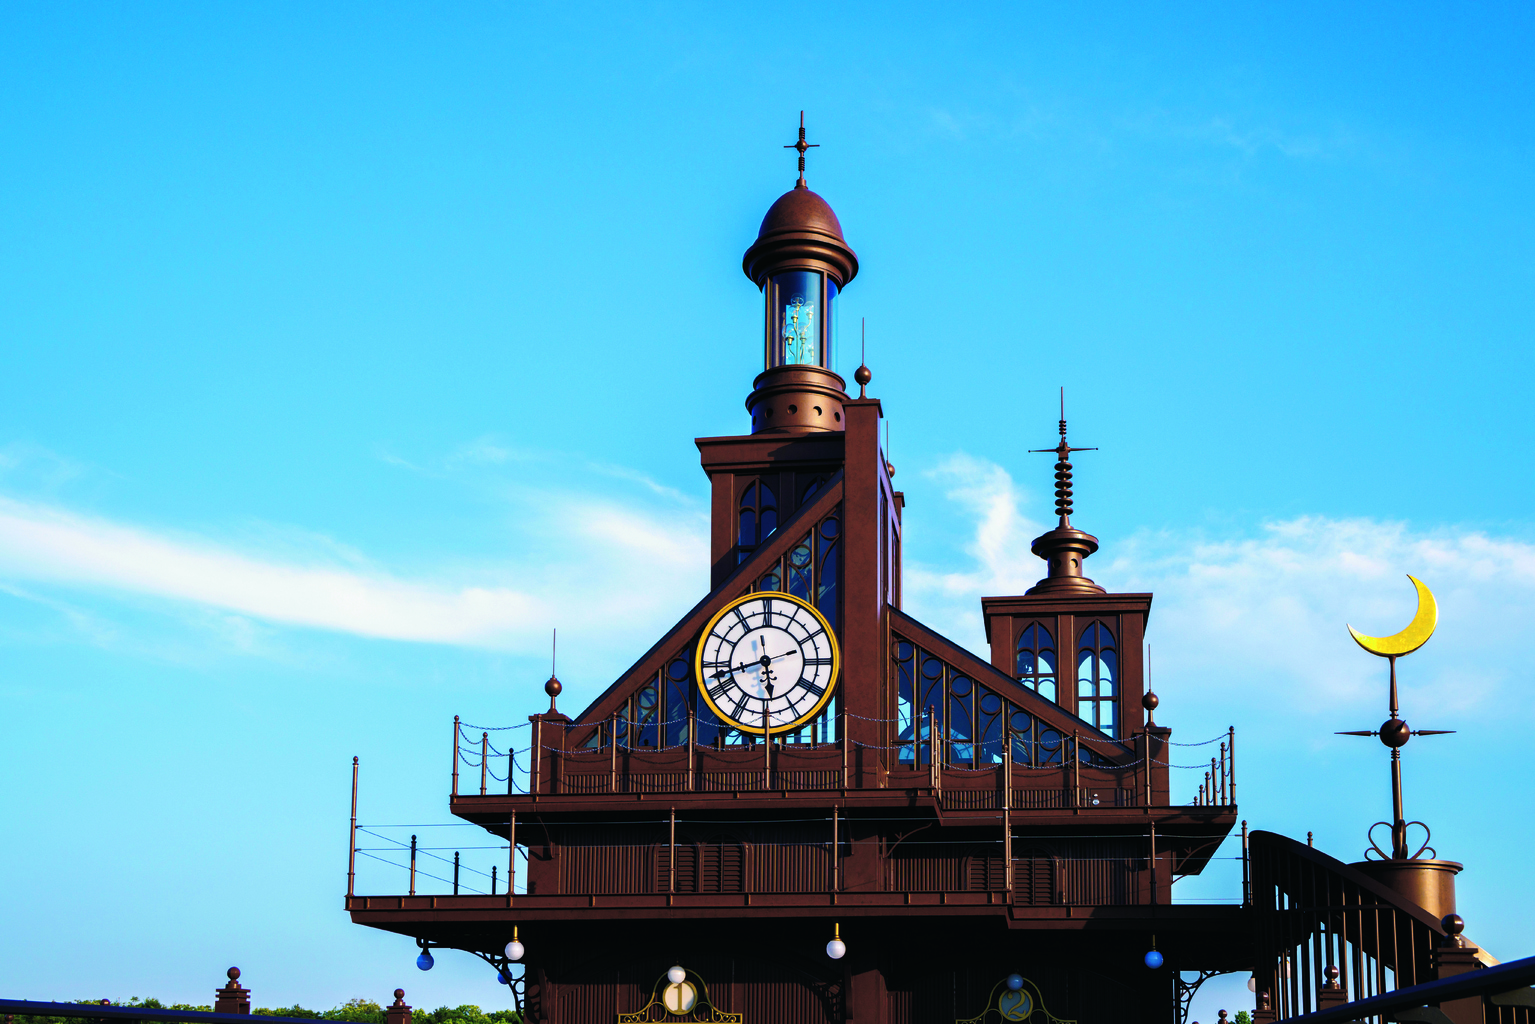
<point x="800" y="231"/>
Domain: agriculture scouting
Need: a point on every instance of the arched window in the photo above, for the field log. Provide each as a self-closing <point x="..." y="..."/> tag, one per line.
<point x="759" y="518"/>
<point x="1098" y="679"/>
<point x="1036" y="661"/>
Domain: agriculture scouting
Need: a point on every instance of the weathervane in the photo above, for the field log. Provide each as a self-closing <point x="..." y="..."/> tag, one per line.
<point x="1062" y="468"/>
<point x="802" y="145"/>
<point x="1394" y="732"/>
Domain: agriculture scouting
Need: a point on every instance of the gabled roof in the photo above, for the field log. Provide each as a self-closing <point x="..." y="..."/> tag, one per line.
<point x="1004" y="685"/>
<point x="734" y="585"/>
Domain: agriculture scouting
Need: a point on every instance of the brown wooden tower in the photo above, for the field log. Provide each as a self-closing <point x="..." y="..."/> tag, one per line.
<point x="798" y="759"/>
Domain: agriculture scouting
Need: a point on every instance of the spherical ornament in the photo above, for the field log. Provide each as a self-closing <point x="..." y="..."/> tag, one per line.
<point x="1015" y="982"/>
<point x="399" y="995"/>
<point x="503" y="977"/>
<point x="862" y="375"/>
<point x="1150" y="700"/>
<point x="1453" y="924"/>
<point x="676" y="975"/>
<point x="553" y="687"/>
<point x="425" y="961"/>
<point x="1395" y="733"/>
<point x="514" y="950"/>
<point x="836" y="949"/>
<point x="1153" y="959"/>
<point x="1252" y="984"/>
<point x="233" y="973"/>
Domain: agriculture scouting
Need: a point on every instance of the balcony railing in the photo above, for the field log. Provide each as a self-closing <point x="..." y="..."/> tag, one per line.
<point x="1080" y="772"/>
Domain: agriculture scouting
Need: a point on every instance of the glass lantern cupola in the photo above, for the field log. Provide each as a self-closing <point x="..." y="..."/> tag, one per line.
<point x="801" y="262"/>
<point x="800" y="318"/>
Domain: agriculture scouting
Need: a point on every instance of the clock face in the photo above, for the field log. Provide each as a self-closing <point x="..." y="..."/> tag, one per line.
<point x="767" y="662"/>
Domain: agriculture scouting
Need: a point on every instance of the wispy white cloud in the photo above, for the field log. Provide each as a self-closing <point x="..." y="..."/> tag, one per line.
<point x="605" y="563"/>
<point x="1267" y="608"/>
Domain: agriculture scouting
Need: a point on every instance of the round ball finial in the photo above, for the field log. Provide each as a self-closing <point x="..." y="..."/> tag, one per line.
<point x="1150" y="700"/>
<point x="1014" y="982"/>
<point x="1453" y="924"/>
<point x="553" y="687"/>
<point x="863" y="375"/>
<point x="233" y="974"/>
<point x="399" y="993"/>
<point x="1331" y="974"/>
<point x="1394" y="733"/>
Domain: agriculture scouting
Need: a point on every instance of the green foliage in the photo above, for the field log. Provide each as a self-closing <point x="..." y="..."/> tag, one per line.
<point x="1243" y="1017"/>
<point x="353" y="1011"/>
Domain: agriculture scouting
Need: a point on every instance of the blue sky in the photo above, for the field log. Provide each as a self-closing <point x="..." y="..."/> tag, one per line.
<point x="349" y="349"/>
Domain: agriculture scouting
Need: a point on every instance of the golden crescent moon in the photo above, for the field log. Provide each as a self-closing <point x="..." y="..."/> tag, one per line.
<point x="1410" y="639"/>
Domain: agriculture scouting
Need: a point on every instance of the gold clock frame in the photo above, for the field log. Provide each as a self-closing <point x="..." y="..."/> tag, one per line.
<point x="820" y="705"/>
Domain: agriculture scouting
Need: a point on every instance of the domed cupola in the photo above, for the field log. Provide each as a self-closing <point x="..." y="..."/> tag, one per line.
<point x="800" y="261"/>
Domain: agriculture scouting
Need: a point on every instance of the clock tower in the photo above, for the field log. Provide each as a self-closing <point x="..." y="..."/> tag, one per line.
<point x="802" y="804"/>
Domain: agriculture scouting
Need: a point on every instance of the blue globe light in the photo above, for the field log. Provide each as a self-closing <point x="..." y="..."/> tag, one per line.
<point x="502" y="978"/>
<point x="425" y="961"/>
<point x="1015" y="982"/>
<point x="1153" y="959"/>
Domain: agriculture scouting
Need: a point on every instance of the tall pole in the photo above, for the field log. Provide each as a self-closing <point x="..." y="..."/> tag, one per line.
<point x="836" y="846"/>
<point x="511" y="858"/>
<point x="484" y="759"/>
<point x="1231" y="764"/>
<point x="1007" y="816"/>
<point x="412" y="865"/>
<point x="351" y="846"/>
<point x="455" y="755"/>
<point x="1398" y="819"/>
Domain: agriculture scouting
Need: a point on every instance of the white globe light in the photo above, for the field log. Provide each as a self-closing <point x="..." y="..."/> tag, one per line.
<point x="514" y="950"/>
<point x="836" y="949"/>
<point x="676" y="975"/>
<point x="1252" y="984"/>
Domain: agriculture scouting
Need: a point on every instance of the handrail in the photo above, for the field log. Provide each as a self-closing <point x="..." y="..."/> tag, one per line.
<point x="1487" y="981"/>
<point x="40" y="1009"/>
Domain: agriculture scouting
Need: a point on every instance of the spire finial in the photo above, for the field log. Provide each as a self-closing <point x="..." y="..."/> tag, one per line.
<point x="553" y="687"/>
<point x="1063" y="468"/>
<point x="863" y="374"/>
<point x="802" y="145"/>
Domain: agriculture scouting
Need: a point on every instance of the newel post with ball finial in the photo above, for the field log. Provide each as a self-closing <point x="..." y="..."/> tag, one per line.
<point x="398" y="1012"/>
<point x="232" y="998"/>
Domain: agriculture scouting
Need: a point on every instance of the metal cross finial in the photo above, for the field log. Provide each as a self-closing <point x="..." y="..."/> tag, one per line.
<point x="1063" y="468"/>
<point x="802" y="145"/>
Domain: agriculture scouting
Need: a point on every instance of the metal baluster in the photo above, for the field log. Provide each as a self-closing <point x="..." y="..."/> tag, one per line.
<point x="484" y="759"/>
<point x="455" y="755"/>
<point x="412" y="865"/>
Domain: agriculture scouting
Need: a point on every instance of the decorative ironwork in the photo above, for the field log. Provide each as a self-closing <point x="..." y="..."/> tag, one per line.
<point x="1394" y="731"/>
<point x="1188" y="989"/>
<point x="1015" y="998"/>
<point x="680" y="1001"/>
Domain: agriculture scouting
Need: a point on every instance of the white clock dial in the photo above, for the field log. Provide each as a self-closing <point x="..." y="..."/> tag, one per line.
<point x="767" y="663"/>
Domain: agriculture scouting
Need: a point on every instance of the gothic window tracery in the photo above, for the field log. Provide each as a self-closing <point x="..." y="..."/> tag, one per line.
<point x="1036" y="661"/>
<point x="1098" y="678"/>
<point x="758" y="518"/>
